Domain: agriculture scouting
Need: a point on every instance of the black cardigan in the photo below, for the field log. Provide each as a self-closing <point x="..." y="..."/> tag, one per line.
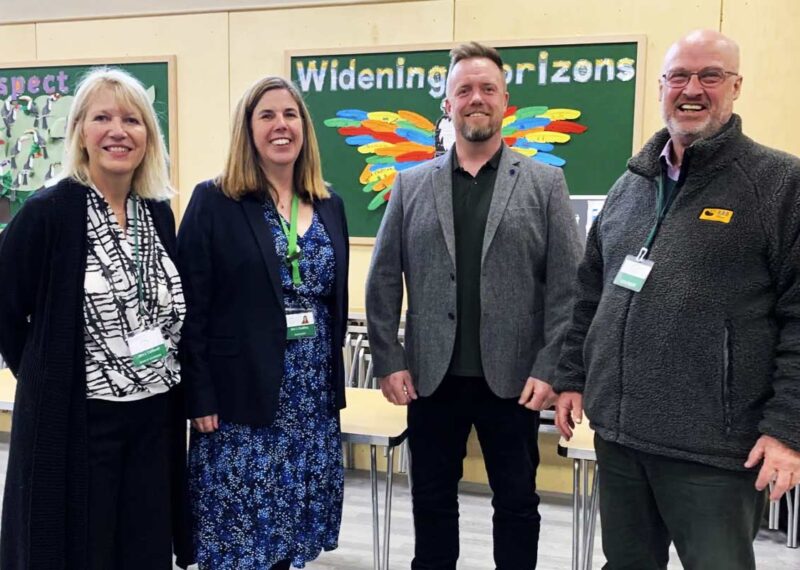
<point x="234" y="338"/>
<point x="42" y="267"/>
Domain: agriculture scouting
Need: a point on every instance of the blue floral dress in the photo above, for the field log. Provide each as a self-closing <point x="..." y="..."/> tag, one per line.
<point x="265" y="494"/>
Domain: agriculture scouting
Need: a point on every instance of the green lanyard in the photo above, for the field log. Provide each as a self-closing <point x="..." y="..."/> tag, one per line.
<point x="292" y="251"/>
<point x="663" y="203"/>
<point x="137" y="260"/>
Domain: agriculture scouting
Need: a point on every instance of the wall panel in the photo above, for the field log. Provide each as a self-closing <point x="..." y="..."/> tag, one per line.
<point x="259" y="39"/>
<point x="767" y="34"/>
<point x="17" y="42"/>
<point x="200" y="43"/>
<point x="13" y="11"/>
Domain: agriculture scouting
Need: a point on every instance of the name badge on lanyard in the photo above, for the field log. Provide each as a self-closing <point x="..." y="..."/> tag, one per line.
<point x="633" y="273"/>
<point x="636" y="269"/>
<point x="147" y="346"/>
<point x="300" y="323"/>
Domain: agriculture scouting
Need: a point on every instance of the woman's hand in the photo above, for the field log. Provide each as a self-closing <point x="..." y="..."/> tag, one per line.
<point x="206" y="424"/>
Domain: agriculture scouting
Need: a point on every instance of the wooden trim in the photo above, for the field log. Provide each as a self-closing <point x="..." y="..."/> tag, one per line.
<point x="638" y="98"/>
<point x="88" y="61"/>
<point x="535" y="42"/>
<point x="172" y="135"/>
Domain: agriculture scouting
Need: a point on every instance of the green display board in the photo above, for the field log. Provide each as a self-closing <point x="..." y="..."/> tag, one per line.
<point x="573" y="104"/>
<point x="35" y="100"/>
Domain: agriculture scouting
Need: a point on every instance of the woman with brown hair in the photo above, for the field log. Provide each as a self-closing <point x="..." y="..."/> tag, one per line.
<point x="263" y="250"/>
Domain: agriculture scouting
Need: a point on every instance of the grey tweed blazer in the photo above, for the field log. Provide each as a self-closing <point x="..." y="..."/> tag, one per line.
<point x="530" y="254"/>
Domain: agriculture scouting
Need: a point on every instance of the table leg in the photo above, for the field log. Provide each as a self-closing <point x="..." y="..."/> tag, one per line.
<point x="588" y="535"/>
<point x="373" y="476"/>
<point x="774" y="506"/>
<point x="792" y="521"/>
<point x="576" y="484"/>
<point x="584" y="509"/>
<point x="410" y="476"/>
<point x="387" y="508"/>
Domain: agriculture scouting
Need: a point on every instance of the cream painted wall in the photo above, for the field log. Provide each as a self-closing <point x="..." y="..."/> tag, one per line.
<point x="200" y="43"/>
<point x="12" y="11"/>
<point x="326" y="28"/>
<point x="767" y="34"/>
<point x="17" y="43"/>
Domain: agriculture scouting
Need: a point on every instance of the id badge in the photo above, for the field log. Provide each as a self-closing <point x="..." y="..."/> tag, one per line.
<point x="300" y="324"/>
<point x="633" y="273"/>
<point x="147" y="347"/>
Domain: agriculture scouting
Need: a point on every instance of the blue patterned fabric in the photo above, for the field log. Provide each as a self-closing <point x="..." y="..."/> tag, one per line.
<point x="265" y="494"/>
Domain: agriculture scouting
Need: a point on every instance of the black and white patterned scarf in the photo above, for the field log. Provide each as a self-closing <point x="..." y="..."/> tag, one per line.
<point x="111" y="303"/>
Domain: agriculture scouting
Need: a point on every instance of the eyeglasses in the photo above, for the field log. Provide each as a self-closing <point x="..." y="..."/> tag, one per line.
<point x="708" y="77"/>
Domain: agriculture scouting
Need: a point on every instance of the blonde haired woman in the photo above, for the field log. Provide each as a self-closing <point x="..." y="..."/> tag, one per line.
<point x="264" y="248"/>
<point x="91" y="308"/>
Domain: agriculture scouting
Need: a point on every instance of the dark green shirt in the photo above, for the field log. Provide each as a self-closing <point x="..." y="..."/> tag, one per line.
<point x="472" y="197"/>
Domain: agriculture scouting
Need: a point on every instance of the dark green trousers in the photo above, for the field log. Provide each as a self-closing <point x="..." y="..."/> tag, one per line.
<point x="647" y="501"/>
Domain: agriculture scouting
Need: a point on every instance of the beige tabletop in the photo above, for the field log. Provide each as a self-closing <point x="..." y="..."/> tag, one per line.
<point x="8" y="387"/>
<point x="581" y="444"/>
<point x="369" y="418"/>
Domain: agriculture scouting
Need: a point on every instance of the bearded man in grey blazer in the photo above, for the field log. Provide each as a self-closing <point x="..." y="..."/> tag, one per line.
<point x="488" y="246"/>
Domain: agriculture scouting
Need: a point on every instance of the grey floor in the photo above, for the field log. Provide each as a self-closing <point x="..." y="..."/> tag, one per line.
<point x="355" y="544"/>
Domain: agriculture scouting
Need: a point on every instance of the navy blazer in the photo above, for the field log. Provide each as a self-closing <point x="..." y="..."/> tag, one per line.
<point x="234" y="337"/>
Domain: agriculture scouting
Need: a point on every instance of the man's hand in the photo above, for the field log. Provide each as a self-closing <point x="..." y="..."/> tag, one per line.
<point x="398" y="388"/>
<point x="537" y="395"/>
<point x="206" y="424"/>
<point x="569" y="411"/>
<point x="781" y="465"/>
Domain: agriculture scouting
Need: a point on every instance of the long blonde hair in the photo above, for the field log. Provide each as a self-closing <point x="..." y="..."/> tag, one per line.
<point x="243" y="174"/>
<point x="151" y="177"/>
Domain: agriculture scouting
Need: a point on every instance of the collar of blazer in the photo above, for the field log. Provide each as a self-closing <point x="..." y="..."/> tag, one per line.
<point x="507" y="174"/>
<point x="254" y="212"/>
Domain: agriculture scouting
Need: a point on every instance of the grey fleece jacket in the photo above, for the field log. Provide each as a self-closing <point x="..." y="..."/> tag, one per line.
<point x="706" y="357"/>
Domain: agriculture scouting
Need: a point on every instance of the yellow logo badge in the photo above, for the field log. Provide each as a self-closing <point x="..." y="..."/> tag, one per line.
<point x="716" y="215"/>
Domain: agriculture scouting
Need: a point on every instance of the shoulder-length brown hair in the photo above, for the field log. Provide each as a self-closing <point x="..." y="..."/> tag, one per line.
<point x="243" y="174"/>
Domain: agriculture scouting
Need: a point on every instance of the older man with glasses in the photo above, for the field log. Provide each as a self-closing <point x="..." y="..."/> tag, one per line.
<point x="684" y="345"/>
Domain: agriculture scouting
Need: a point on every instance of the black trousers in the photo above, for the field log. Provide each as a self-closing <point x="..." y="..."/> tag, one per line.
<point x="129" y="499"/>
<point x="438" y="428"/>
<point x="648" y="501"/>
